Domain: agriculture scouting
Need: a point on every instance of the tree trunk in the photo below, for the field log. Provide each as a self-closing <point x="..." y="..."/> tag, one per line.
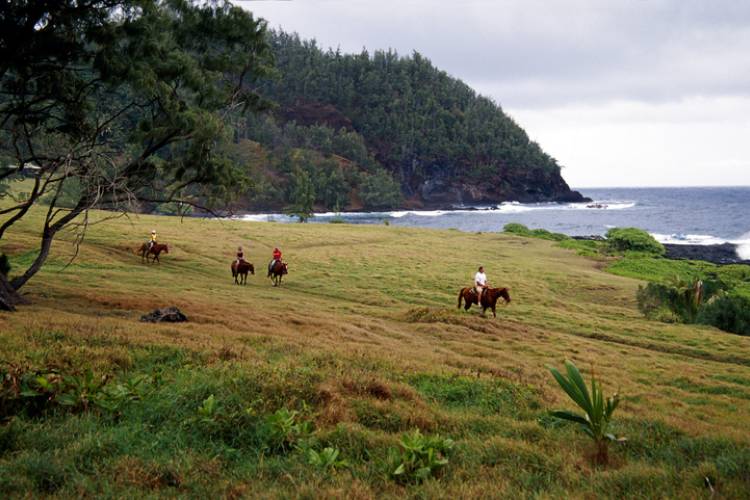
<point x="9" y="297"/>
<point x="602" y="454"/>
<point x="44" y="249"/>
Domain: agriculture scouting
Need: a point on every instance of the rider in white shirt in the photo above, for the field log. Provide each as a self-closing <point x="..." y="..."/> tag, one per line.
<point x="480" y="283"/>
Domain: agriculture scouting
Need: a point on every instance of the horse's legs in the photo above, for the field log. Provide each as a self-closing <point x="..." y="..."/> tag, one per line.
<point x="494" y="314"/>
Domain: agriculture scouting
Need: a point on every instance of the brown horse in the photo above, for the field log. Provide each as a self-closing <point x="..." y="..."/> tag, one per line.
<point x="155" y="250"/>
<point x="276" y="271"/>
<point x="240" y="270"/>
<point x="489" y="298"/>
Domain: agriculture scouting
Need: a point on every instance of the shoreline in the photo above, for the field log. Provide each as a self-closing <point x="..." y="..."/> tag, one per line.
<point x="722" y="254"/>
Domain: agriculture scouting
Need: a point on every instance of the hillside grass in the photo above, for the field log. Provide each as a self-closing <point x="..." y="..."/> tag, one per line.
<point x="364" y="341"/>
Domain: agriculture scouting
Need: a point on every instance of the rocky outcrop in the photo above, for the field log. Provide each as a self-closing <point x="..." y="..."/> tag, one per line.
<point x="535" y="188"/>
<point x="164" y="315"/>
<point x="718" y="254"/>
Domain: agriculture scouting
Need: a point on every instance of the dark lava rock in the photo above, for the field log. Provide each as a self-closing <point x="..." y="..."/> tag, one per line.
<point x="166" y="314"/>
<point x="718" y="254"/>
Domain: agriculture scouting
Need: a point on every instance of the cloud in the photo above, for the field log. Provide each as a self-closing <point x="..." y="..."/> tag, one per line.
<point x="547" y="52"/>
<point x="621" y="92"/>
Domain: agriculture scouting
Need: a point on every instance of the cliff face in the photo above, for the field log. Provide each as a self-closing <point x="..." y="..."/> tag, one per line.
<point x="532" y="186"/>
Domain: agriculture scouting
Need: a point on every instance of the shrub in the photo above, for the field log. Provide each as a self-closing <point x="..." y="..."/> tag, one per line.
<point x="326" y="459"/>
<point x="730" y="313"/>
<point x="682" y="298"/>
<point x="597" y="410"/>
<point x="521" y="230"/>
<point x="280" y="431"/>
<point x="419" y="458"/>
<point x="633" y="239"/>
<point x="380" y="191"/>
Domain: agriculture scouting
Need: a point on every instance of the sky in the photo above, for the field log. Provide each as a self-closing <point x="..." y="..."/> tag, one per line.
<point x="620" y="92"/>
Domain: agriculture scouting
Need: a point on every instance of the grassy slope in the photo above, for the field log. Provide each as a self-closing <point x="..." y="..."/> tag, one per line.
<point x="364" y="307"/>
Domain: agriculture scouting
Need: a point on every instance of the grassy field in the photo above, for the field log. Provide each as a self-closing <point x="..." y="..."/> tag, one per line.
<point x="362" y="344"/>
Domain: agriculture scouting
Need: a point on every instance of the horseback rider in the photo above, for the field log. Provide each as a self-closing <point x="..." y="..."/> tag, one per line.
<point x="152" y="240"/>
<point x="240" y="255"/>
<point x="276" y="258"/>
<point x="480" y="283"/>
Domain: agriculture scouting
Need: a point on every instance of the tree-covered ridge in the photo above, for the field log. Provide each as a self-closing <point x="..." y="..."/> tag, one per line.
<point x="439" y="139"/>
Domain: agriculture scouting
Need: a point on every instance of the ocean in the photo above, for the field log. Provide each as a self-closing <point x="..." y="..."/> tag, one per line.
<point x="699" y="216"/>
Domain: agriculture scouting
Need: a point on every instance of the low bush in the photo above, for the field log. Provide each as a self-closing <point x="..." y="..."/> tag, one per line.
<point x="708" y="303"/>
<point x="521" y="230"/>
<point x="683" y="299"/>
<point x="419" y="457"/>
<point x="730" y="313"/>
<point x="326" y="459"/>
<point x="631" y="239"/>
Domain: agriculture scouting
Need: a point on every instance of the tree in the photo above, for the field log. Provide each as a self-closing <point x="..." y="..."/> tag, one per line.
<point x="302" y="195"/>
<point x="380" y="191"/>
<point x="130" y="98"/>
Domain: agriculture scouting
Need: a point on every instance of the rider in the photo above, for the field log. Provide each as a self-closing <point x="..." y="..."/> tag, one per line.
<point x="480" y="283"/>
<point x="152" y="240"/>
<point x="240" y="255"/>
<point x="276" y="258"/>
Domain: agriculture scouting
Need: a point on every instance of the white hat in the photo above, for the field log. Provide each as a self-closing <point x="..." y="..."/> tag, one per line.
<point x="153" y="231"/>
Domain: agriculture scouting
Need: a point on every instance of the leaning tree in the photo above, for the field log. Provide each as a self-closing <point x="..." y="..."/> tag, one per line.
<point x="109" y="104"/>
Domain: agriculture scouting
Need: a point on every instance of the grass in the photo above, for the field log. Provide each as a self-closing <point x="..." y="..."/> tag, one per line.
<point x="365" y="343"/>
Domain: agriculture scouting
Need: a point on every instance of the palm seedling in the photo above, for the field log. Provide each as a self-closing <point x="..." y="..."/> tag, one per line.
<point x="597" y="410"/>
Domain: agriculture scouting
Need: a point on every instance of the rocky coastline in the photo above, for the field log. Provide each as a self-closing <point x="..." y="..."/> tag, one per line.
<point x="725" y="253"/>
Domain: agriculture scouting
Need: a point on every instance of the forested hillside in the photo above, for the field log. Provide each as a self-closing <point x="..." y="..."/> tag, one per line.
<point x="380" y="130"/>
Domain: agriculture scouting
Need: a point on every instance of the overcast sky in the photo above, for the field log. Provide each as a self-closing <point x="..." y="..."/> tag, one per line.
<point x="621" y="92"/>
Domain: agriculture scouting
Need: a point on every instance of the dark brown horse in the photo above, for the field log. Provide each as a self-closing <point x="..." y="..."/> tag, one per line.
<point x="240" y="270"/>
<point x="155" y="250"/>
<point x="276" y="271"/>
<point x="489" y="298"/>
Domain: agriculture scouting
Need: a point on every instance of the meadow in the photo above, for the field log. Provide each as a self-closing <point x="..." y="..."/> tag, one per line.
<point x="361" y="345"/>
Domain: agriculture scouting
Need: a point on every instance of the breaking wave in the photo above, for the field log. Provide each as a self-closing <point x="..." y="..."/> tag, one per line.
<point x="511" y="207"/>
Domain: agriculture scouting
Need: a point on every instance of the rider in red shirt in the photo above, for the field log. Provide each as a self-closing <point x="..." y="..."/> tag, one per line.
<point x="276" y="258"/>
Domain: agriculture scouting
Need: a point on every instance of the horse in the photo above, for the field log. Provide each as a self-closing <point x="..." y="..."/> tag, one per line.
<point x="155" y="250"/>
<point x="489" y="298"/>
<point x="240" y="270"/>
<point x="277" y="271"/>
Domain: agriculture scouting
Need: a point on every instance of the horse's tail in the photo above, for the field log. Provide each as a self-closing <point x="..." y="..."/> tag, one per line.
<point x="460" y="296"/>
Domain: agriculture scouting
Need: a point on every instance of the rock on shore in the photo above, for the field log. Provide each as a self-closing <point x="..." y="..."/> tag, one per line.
<point x="718" y="254"/>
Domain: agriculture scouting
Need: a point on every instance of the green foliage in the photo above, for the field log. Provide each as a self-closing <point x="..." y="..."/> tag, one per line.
<point x="282" y="430"/>
<point x="380" y="191"/>
<point x="728" y="312"/>
<point x="708" y="302"/>
<point x="326" y="459"/>
<point x="521" y="230"/>
<point x="417" y="120"/>
<point x="597" y="410"/>
<point x="631" y="239"/>
<point x="35" y="392"/>
<point x="302" y="195"/>
<point x="125" y="102"/>
<point x="682" y="298"/>
<point x="419" y="457"/>
<point x="586" y="248"/>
